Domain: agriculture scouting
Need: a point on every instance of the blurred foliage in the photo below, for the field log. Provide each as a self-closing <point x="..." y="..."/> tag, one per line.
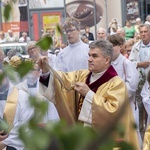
<point x="60" y="136"/>
<point x="7" y="12"/>
<point x="16" y="72"/>
<point x="45" y="43"/>
<point x="4" y="126"/>
<point x="24" y="68"/>
<point x="142" y="80"/>
<point x="63" y="35"/>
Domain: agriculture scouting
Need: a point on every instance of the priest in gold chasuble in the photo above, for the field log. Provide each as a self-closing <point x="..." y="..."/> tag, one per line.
<point x="95" y="97"/>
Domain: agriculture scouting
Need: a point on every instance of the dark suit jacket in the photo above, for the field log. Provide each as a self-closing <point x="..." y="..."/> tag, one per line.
<point x="90" y="37"/>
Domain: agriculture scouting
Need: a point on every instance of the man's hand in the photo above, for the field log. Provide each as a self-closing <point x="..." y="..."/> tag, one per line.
<point x="43" y="64"/>
<point x="143" y="64"/>
<point x="82" y="88"/>
<point x="3" y="137"/>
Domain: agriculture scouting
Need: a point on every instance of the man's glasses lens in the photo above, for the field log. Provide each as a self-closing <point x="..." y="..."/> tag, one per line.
<point x="70" y="30"/>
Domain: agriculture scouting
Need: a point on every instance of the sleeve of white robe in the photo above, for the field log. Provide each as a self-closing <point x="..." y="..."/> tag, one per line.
<point x="49" y="91"/>
<point x="145" y="93"/>
<point x="131" y="79"/>
<point x="134" y="55"/>
<point x="86" y="110"/>
<point x="23" y="113"/>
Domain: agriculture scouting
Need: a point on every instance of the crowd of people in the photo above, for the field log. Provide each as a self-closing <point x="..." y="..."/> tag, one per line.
<point x="11" y="37"/>
<point x="95" y="77"/>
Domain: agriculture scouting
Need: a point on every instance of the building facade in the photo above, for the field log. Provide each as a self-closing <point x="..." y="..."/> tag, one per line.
<point x="38" y="16"/>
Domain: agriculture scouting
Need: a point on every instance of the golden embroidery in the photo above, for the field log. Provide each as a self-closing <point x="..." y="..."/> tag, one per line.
<point x="80" y="104"/>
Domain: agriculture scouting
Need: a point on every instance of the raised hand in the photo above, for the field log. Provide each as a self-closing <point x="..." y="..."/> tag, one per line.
<point x="144" y="64"/>
<point x="43" y="64"/>
<point x="3" y="137"/>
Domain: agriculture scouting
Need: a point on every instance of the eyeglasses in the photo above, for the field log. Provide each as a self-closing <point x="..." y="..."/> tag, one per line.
<point x="35" y="70"/>
<point x="32" y="48"/>
<point x="70" y="30"/>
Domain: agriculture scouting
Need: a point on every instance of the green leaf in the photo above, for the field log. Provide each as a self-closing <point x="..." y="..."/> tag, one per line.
<point x="7" y="12"/>
<point x="41" y="139"/>
<point x="74" y="138"/>
<point x="40" y="105"/>
<point x="11" y="73"/>
<point x="45" y="43"/>
<point x="121" y="130"/>
<point x="107" y="145"/>
<point x="26" y="135"/>
<point x="4" y="126"/>
<point x="24" y="68"/>
<point x="2" y="76"/>
<point x="59" y="28"/>
<point x="125" y="146"/>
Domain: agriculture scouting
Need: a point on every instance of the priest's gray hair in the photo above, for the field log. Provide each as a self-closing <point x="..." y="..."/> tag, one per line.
<point x="104" y="46"/>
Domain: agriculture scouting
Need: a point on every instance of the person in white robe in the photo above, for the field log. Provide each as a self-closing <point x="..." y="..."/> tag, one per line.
<point x="145" y="93"/>
<point x="93" y="96"/>
<point x="140" y="53"/>
<point x="75" y="55"/>
<point x="31" y="86"/>
<point x="127" y="71"/>
<point x="23" y="113"/>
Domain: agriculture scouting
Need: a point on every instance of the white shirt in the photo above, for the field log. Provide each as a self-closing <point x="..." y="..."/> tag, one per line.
<point x="51" y="114"/>
<point x="73" y="57"/>
<point x="23" y="40"/>
<point x="127" y="71"/>
<point x="145" y="93"/>
<point x="147" y="22"/>
<point x="23" y="113"/>
<point x="129" y="74"/>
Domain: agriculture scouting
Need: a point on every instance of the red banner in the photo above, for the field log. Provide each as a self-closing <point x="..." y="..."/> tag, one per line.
<point x="15" y="26"/>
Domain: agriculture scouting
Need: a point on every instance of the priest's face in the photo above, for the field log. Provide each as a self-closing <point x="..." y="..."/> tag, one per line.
<point x="97" y="61"/>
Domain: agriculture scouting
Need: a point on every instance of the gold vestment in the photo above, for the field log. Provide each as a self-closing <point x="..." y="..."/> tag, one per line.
<point x="107" y="103"/>
<point x="146" y="143"/>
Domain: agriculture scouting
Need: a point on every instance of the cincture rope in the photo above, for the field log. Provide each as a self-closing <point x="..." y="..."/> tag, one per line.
<point x="54" y="73"/>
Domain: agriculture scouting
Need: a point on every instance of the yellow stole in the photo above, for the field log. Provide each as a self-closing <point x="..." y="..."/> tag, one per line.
<point x="10" y="107"/>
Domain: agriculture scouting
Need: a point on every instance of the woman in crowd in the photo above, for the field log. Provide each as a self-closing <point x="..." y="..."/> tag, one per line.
<point x="129" y="30"/>
<point x="113" y="26"/>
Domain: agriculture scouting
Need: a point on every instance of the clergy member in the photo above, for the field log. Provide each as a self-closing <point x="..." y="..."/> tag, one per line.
<point x="95" y="97"/>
